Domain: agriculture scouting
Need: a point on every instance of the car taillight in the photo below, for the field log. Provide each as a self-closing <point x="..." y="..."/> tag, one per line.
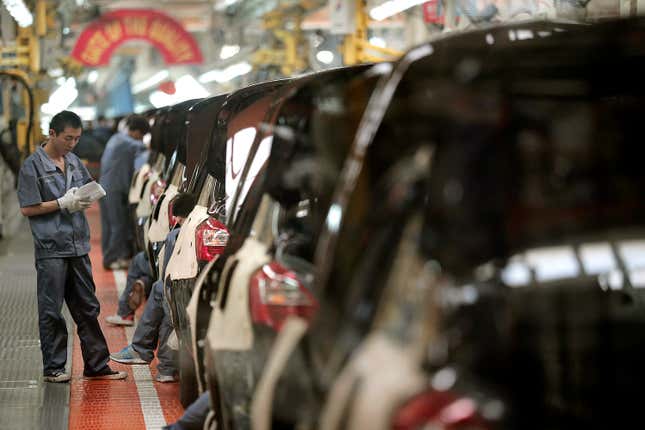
<point x="211" y="238"/>
<point x="276" y="293"/>
<point x="172" y="220"/>
<point x="156" y="190"/>
<point x="438" y="410"/>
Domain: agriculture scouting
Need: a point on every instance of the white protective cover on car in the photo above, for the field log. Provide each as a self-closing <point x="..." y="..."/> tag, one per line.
<point x="379" y="393"/>
<point x="144" y="208"/>
<point x="159" y="228"/>
<point x="135" y="188"/>
<point x="183" y="261"/>
<point x="146" y="229"/>
<point x="231" y="328"/>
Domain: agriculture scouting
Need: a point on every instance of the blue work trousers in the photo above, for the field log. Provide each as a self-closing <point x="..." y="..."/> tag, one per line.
<point x="153" y="329"/>
<point x="139" y="269"/>
<point x="69" y="279"/>
<point x="116" y="229"/>
<point x="194" y="416"/>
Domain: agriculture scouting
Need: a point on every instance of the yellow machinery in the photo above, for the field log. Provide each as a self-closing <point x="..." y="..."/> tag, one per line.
<point x="356" y="47"/>
<point x="289" y="51"/>
<point x="21" y="62"/>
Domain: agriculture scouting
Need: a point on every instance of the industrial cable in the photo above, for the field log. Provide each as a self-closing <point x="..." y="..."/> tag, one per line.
<point x="30" y="118"/>
<point x="10" y="154"/>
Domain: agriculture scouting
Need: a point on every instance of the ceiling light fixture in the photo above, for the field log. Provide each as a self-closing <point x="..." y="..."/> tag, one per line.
<point x="229" y="51"/>
<point x="159" y="99"/>
<point x="55" y="73"/>
<point x="325" y="57"/>
<point x="153" y="80"/>
<point x="223" y="4"/>
<point x="188" y="88"/>
<point x="62" y="98"/>
<point x="87" y="113"/>
<point x="392" y="7"/>
<point x="92" y="77"/>
<point x="19" y="12"/>
<point x="378" y="41"/>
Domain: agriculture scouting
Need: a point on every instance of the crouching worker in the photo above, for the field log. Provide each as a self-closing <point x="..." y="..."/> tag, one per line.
<point x="47" y="185"/>
<point x="137" y="288"/>
<point x="155" y="325"/>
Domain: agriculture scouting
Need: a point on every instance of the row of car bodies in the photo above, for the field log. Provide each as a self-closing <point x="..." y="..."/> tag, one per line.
<point x="453" y="241"/>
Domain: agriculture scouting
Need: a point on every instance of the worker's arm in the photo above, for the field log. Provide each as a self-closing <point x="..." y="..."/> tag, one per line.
<point x="40" y="208"/>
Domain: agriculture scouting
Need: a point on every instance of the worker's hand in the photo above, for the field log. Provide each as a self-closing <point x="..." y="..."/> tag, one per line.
<point x="72" y="202"/>
<point x="80" y="205"/>
<point x="67" y="200"/>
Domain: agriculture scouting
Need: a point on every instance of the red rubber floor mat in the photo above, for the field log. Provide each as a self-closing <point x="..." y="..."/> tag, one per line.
<point x="114" y="405"/>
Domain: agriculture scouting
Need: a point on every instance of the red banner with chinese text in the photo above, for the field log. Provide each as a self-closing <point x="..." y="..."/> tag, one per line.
<point x="101" y="37"/>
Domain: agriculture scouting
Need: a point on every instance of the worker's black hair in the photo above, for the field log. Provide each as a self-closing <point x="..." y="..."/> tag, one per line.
<point x="183" y="204"/>
<point x="65" y="119"/>
<point x="138" y="122"/>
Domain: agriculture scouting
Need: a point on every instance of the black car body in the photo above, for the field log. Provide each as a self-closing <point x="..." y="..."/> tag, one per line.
<point x="171" y="160"/>
<point x="467" y="95"/>
<point x="204" y="234"/>
<point x="193" y="134"/>
<point x="273" y="238"/>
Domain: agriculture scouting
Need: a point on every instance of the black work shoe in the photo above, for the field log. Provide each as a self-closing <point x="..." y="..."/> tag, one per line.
<point x="57" y="377"/>
<point x="106" y="375"/>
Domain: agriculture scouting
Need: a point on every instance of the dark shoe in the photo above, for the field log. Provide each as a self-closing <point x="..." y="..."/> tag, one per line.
<point x="57" y="377"/>
<point x="137" y="295"/>
<point x="106" y="375"/>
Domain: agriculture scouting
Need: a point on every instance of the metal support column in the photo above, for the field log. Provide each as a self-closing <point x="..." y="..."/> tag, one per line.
<point x="356" y="47"/>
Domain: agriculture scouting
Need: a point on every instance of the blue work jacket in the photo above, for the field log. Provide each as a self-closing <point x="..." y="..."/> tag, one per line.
<point x="59" y="233"/>
<point x="117" y="162"/>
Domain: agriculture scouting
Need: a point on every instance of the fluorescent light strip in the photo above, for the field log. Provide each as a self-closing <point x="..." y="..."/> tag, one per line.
<point x="378" y="41"/>
<point x="326" y="57"/>
<point x="229" y="51"/>
<point x="153" y="80"/>
<point x="392" y="7"/>
<point x="87" y="113"/>
<point x="223" y="4"/>
<point x="231" y="72"/>
<point x="62" y="98"/>
<point x="19" y="12"/>
<point x="92" y="77"/>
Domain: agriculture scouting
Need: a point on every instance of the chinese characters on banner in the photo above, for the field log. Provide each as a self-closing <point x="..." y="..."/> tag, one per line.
<point x="100" y="38"/>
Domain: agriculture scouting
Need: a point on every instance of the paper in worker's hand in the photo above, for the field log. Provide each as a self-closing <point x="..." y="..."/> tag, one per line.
<point x="91" y="191"/>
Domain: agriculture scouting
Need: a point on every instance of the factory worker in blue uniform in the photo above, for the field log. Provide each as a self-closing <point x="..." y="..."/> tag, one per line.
<point x="117" y="168"/>
<point x="47" y="185"/>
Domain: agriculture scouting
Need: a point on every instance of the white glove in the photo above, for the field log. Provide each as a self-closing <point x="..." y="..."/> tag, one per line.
<point x="72" y="202"/>
<point x="67" y="200"/>
<point x="79" y="204"/>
